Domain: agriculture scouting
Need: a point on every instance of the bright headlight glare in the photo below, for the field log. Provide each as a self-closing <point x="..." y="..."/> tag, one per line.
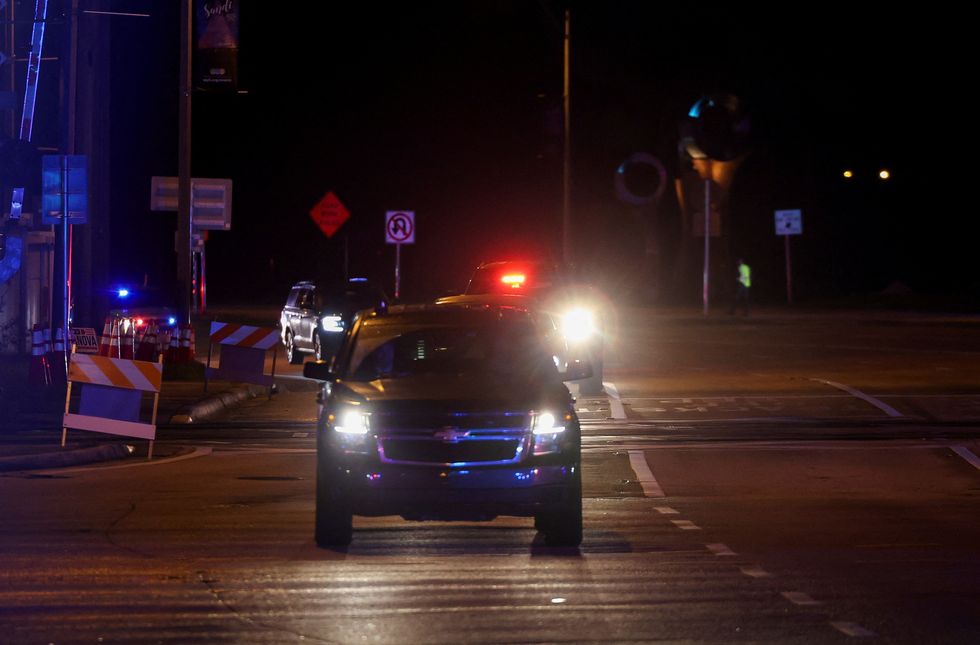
<point x="578" y="324"/>
<point x="546" y="423"/>
<point x="332" y="323"/>
<point x="352" y="422"/>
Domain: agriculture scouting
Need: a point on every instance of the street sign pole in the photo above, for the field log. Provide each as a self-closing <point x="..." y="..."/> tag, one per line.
<point x="789" y="273"/>
<point x="398" y="270"/>
<point x="65" y="244"/>
<point x="184" y="224"/>
<point x="399" y="229"/>
<point x="707" y="243"/>
<point x="789" y="222"/>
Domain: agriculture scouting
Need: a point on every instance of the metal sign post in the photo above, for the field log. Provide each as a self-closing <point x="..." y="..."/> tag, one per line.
<point x="789" y="222"/>
<point x="399" y="229"/>
<point x="707" y="243"/>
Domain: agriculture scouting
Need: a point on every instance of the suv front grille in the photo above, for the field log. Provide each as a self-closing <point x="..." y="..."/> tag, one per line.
<point x="437" y="453"/>
<point x="458" y="439"/>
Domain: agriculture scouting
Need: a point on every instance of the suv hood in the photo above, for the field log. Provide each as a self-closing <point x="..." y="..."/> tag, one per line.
<point x="462" y="392"/>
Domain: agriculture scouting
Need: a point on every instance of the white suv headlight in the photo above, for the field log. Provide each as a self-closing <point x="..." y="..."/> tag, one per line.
<point x="546" y="423"/>
<point x="578" y="324"/>
<point x="332" y="323"/>
<point x="351" y="422"/>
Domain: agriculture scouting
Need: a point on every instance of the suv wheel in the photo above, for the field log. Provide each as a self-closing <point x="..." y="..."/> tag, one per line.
<point x="592" y="386"/>
<point x="562" y="525"/>
<point x="292" y="355"/>
<point x="317" y="347"/>
<point x="334" y="522"/>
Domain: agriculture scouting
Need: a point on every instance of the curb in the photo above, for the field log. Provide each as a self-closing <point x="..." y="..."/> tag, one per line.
<point x="215" y="403"/>
<point x="65" y="458"/>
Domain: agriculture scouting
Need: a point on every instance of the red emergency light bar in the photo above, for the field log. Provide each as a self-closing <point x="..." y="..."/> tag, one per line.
<point x="515" y="280"/>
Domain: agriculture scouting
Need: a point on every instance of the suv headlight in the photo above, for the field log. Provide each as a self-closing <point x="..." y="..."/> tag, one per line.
<point x="548" y="429"/>
<point x="353" y="422"/>
<point x="332" y="323"/>
<point x="578" y="324"/>
<point x="546" y="423"/>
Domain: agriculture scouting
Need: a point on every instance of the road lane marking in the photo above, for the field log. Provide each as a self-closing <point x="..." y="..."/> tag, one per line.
<point x="638" y="462"/>
<point x="665" y="510"/>
<point x="851" y="629"/>
<point x="884" y="407"/>
<point x="800" y="598"/>
<point x="615" y="404"/>
<point x="966" y="454"/>
<point x="755" y="572"/>
<point x="198" y="452"/>
<point x="686" y="525"/>
<point x="720" y="549"/>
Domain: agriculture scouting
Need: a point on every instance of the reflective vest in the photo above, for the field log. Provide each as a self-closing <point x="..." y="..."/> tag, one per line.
<point x="745" y="275"/>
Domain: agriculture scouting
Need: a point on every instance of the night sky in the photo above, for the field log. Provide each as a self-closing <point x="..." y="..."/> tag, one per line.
<point x="453" y="110"/>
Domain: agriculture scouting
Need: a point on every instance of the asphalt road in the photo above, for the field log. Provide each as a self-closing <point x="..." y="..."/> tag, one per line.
<point x="783" y="478"/>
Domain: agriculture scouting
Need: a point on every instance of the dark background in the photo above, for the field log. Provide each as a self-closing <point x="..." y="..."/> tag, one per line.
<point x="453" y="110"/>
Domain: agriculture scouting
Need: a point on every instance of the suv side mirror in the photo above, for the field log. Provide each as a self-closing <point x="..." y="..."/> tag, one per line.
<point x="319" y="370"/>
<point x="574" y="371"/>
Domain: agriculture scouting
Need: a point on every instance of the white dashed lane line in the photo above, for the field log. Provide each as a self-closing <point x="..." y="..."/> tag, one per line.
<point x="755" y="572"/>
<point x="638" y="462"/>
<point x="800" y="598"/>
<point x="615" y="403"/>
<point x="686" y="525"/>
<point x="851" y="629"/>
<point x="884" y="407"/>
<point x="968" y="455"/>
<point x="720" y="549"/>
<point x="665" y="510"/>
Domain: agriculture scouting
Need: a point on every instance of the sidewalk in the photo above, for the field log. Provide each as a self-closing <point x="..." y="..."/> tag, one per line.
<point x="30" y="419"/>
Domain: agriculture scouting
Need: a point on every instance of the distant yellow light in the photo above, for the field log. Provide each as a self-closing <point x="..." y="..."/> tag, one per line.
<point x="848" y="174"/>
<point x="884" y="174"/>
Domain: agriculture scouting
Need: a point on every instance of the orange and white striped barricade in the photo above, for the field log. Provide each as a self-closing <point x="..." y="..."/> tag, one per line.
<point x="112" y="391"/>
<point x="243" y="349"/>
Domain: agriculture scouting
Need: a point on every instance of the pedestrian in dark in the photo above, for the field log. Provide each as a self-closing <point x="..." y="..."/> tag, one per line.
<point x="743" y="279"/>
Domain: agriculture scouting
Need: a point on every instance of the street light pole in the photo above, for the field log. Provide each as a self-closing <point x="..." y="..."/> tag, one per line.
<point x="184" y="238"/>
<point x="566" y="216"/>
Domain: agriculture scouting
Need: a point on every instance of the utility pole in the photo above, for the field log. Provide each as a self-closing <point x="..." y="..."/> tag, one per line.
<point x="184" y="238"/>
<point x="566" y="175"/>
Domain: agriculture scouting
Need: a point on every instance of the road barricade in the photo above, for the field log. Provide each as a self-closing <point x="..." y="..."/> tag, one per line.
<point x="40" y="369"/>
<point x="243" y="349"/>
<point x="112" y="392"/>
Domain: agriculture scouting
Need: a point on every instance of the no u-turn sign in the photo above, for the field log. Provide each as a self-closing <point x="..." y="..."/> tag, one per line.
<point x="400" y="227"/>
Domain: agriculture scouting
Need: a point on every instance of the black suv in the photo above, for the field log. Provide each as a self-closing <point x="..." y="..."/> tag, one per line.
<point x="316" y="315"/>
<point x="447" y="412"/>
<point x="582" y="313"/>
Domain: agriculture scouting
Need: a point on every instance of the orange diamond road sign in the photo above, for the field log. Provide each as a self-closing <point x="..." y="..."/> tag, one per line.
<point x="329" y="214"/>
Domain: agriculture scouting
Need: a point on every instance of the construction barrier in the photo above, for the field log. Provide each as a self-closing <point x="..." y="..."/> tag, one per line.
<point x="112" y="391"/>
<point x="105" y="342"/>
<point x="147" y="350"/>
<point x="40" y="370"/>
<point x="56" y="357"/>
<point x="243" y="349"/>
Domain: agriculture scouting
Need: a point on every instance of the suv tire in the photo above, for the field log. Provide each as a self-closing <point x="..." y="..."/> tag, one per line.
<point x="562" y="525"/>
<point x="592" y="386"/>
<point x="334" y="523"/>
<point x="317" y="346"/>
<point x="292" y="355"/>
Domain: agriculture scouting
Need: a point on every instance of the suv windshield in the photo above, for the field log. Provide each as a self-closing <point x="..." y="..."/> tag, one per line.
<point x="504" y="348"/>
<point x="512" y="277"/>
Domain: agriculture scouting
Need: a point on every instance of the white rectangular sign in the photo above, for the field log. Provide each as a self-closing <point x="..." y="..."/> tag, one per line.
<point x="789" y="222"/>
<point x="84" y="339"/>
